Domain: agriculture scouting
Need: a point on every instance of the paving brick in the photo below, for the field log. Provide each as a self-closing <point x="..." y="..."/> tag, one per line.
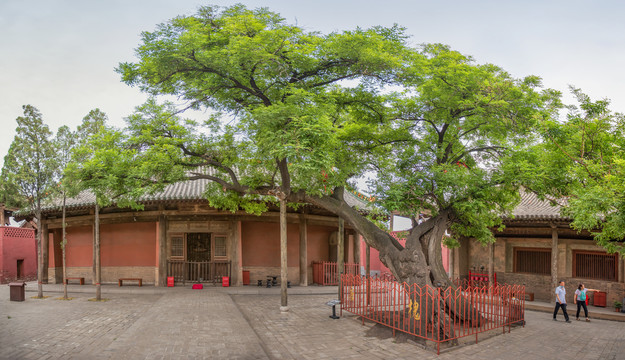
<point x="245" y="323"/>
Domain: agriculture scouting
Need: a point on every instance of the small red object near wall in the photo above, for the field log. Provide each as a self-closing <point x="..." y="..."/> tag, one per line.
<point x="246" y="277"/>
<point x="170" y="281"/>
<point x="599" y="299"/>
<point x="198" y="286"/>
<point x="225" y="281"/>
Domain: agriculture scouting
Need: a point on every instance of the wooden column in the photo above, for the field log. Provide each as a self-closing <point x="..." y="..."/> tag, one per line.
<point x="57" y="254"/>
<point x="98" y="267"/>
<point x="452" y="263"/>
<point x="357" y="250"/>
<point x="368" y="261"/>
<point x="162" y="251"/>
<point x="340" y="250"/>
<point x="491" y="262"/>
<point x="554" y="256"/>
<point x="622" y="267"/>
<point x="368" y="272"/>
<point x="236" y="254"/>
<point x="303" y="251"/>
<point x="45" y="250"/>
<point x="283" y="257"/>
<point x="93" y="272"/>
<point x="340" y="253"/>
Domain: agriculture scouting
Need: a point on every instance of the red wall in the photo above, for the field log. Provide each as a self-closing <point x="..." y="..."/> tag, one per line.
<point x="130" y="244"/>
<point x="260" y="243"/>
<point x="79" y="248"/>
<point x="13" y="248"/>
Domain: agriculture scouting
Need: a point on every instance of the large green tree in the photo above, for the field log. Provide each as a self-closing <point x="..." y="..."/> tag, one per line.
<point x="28" y="173"/>
<point x="279" y="83"/>
<point x="298" y="115"/>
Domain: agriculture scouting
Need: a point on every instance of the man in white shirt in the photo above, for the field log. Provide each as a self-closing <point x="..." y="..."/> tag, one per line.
<point x="561" y="302"/>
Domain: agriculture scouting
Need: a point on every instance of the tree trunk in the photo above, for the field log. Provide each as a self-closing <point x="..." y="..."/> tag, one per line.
<point x="420" y="262"/>
<point x="98" y="273"/>
<point x="63" y="243"/>
<point x="39" y="255"/>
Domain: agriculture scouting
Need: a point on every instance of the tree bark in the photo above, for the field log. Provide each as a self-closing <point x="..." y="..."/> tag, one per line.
<point x="419" y="262"/>
<point x="98" y="272"/>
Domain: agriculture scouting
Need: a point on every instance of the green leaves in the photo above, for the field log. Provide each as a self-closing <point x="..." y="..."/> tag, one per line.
<point x="28" y="171"/>
<point x="582" y="159"/>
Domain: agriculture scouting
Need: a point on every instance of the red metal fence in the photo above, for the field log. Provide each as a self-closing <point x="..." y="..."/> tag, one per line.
<point x="436" y="314"/>
<point x="327" y="273"/>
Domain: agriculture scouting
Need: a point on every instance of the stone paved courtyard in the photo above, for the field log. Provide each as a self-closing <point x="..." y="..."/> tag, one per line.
<point x="241" y="323"/>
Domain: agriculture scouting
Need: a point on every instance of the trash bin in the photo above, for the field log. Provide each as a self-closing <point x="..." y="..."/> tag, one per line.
<point x="17" y="291"/>
<point x="599" y="299"/>
<point x="246" y="277"/>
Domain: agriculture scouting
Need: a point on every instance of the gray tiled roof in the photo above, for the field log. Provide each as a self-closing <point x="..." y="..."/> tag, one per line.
<point x="532" y="208"/>
<point x="184" y="190"/>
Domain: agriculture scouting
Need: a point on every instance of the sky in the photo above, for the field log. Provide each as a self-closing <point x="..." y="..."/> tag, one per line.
<point x="60" y="55"/>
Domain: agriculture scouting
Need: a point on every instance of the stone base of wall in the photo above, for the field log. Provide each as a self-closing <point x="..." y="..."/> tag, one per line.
<point x="261" y="273"/>
<point x="540" y="285"/>
<point x="110" y="274"/>
<point x="544" y="291"/>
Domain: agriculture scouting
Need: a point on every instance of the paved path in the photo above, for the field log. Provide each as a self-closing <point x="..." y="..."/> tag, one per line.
<point x="244" y="323"/>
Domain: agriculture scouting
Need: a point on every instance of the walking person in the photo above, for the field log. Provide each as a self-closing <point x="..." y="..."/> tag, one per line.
<point x="580" y="300"/>
<point x="561" y="302"/>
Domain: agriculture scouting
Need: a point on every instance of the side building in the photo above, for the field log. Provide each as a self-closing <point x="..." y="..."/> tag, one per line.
<point x="538" y="248"/>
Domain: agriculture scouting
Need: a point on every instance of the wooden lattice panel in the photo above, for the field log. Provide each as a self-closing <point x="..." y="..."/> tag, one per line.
<point x="19" y="233"/>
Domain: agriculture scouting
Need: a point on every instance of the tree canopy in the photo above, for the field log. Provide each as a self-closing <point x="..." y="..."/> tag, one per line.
<point x="305" y="114"/>
<point x="28" y="171"/>
<point x="582" y="160"/>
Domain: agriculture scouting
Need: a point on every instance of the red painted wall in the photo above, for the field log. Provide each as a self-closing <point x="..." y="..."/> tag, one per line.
<point x="79" y="251"/>
<point x="17" y="244"/>
<point x="260" y="243"/>
<point x="130" y="244"/>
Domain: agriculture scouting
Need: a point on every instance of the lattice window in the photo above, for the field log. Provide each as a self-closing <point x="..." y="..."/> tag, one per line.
<point x="532" y="261"/>
<point x="220" y="246"/>
<point x="595" y="265"/>
<point x="177" y="247"/>
<point x="20" y="233"/>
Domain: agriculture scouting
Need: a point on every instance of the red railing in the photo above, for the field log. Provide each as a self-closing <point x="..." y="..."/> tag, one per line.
<point x="327" y="273"/>
<point x="435" y="314"/>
